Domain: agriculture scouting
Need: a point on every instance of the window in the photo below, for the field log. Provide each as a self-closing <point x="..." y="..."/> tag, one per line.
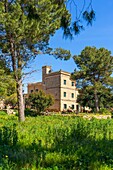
<point x="36" y="90"/>
<point x="77" y="107"/>
<point x="65" y="106"/>
<point x="72" y="95"/>
<point x="72" y="106"/>
<point x="31" y="91"/>
<point x="65" y="82"/>
<point x="72" y="83"/>
<point x="64" y="94"/>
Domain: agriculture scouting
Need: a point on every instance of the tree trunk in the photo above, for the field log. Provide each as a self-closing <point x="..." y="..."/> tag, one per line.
<point x="96" y="100"/>
<point x="17" y="68"/>
<point x="21" y="116"/>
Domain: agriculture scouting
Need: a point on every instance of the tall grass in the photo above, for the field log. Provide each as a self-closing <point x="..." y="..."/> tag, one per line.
<point x="56" y="143"/>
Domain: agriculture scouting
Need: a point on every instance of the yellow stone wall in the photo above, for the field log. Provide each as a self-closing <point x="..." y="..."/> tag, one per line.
<point x="33" y="87"/>
<point x="52" y="86"/>
<point x="68" y="89"/>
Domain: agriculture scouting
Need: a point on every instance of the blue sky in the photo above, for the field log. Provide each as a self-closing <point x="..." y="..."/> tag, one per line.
<point x="100" y="34"/>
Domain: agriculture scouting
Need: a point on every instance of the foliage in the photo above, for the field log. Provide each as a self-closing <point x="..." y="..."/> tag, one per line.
<point x="56" y="142"/>
<point x="86" y="97"/>
<point x="95" y="67"/>
<point x="104" y="111"/>
<point x="60" y="53"/>
<point x="84" y="12"/>
<point x="7" y="83"/>
<point x="40" y="101"/>
<point x="26" y="27"/>
<point x="2" y="112"/>
<point x="12" y="100"/>
<point x="30" y="112"/>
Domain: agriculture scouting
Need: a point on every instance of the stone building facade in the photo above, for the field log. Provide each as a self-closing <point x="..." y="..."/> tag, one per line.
<point x="60" y="86"/>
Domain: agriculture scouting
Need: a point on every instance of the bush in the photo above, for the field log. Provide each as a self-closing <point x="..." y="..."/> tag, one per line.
<point x="104" y="111"/>
<point x="40" y="101"/>
<point x="29" y="112"/>
<point x="2" y="112"/>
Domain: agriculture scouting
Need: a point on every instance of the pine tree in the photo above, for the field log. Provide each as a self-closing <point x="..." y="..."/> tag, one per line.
<point x="95" y="68"/>
<point x="25" y="29"/>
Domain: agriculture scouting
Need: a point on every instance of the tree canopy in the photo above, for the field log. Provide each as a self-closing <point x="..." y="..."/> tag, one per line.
<point x="26" y="27"/>
<point x="95" y="68"/>
<point x="25" y="30"/>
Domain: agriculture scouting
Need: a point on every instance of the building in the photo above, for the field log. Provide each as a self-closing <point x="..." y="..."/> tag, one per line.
<point x="60" y="86"/>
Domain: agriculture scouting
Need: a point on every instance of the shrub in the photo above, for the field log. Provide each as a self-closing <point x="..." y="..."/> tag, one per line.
<point x="29" y="112"/>
<point x="104" y="111"/>
<point x="40" y="101"/>
<point x="2" y="112"/>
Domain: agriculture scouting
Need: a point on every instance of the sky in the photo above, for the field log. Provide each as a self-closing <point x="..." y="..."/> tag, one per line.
<point x="100" y="34"/>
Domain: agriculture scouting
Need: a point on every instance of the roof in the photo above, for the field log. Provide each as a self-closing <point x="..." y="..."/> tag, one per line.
<point x="58" y="72"/>
<point x="34" y="83"/>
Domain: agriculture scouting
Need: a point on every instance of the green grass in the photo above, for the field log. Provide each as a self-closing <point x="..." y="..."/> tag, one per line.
<point x="55" y="143"/>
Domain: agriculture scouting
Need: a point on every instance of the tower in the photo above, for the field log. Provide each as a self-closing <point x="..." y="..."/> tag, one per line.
<point x="45" y="70"/>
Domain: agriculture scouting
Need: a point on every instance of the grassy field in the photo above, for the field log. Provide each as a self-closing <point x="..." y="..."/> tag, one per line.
<point x="55" y="143"/>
